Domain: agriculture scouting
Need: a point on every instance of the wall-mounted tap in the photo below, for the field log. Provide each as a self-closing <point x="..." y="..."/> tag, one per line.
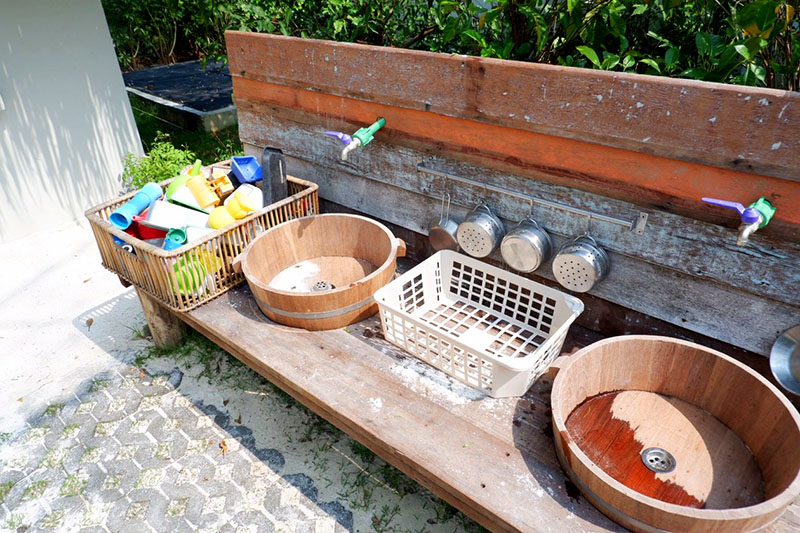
<point x="360" y="138"/>
<point x="754" y="217"/>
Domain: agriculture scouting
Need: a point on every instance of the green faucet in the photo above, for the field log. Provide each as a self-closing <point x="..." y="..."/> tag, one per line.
<point x="365" y="135"/>
<point x="362" y="137"/>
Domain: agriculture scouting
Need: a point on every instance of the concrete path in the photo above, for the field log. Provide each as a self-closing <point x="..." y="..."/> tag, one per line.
<point x="101" y="432"/>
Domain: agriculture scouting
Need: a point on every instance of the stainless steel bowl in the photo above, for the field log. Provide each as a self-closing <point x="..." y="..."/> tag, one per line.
<point x="784" y="360"/>
<point x="527" y="246"/>
<point x="580" y="263"/>
<point x="481" y="232"/>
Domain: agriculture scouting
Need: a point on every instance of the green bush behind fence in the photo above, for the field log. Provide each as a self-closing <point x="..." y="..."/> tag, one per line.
<point x="746" y="42"/>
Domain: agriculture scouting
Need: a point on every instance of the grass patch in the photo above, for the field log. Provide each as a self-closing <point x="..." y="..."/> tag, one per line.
<point x="98" y="385"/>
<point x="362" y="452"/>
<point x="5" y="488"/>
<point x="35" y="490"/>
<point x="15" y="521"/>
<point x="54" y="409"/>
<point x="70" y="431"/>
<point x="209" y="147"/>
<point x="73" y="485"/>
<point x="53" y="520"/>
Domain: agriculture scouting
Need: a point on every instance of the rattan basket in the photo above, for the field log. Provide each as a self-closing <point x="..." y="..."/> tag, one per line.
<point x="189" y="276"/>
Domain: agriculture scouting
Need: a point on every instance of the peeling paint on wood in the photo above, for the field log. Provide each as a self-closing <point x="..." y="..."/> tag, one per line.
<point x="765" y="268"/>
<point x="610" y="108"/>
<point x="642" y="178"/>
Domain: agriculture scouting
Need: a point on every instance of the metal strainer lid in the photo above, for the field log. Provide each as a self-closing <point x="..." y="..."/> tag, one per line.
<point x="475" y="239"/>
<point x="574" y="271"/>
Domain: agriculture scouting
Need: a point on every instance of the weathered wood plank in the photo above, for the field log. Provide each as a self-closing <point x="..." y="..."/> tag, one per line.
<point x="733" y="127"/>
<point x="627" y="175"/>
<point x="494" y="477"/>
<point x="704" y="306"/>
<point x="493" y="459"/>
<point x="167" y="330"/>
<point x="765" y="267"/>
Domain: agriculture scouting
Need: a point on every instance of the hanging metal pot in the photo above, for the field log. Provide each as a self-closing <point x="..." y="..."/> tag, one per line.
<point x="580" y="263"/>
<point x="442" y="234"/>
<point x="527" y="246"/>
<point x="481" y="232"/>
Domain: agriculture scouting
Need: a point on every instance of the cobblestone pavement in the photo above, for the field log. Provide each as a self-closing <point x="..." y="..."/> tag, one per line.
<point x="193" y="440"/>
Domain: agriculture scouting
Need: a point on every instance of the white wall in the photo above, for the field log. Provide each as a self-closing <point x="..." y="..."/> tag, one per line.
<point x="66" y="122"/>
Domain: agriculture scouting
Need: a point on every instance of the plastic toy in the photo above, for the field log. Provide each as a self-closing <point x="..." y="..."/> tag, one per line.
<point x="255" y="195"/>
<point x="190" y="276"/>
<point x="143" y="232"/>
<point x="246" y="169"/>
<point x="122" y="217"/>
<point x="221" y="183"/>
<point x="240" y="204"/>
<point x="177" y="182"/>
<point x="194" y="233"/>
<point x="220" y="218"/>
<point x="237" y="206"/>
<point x="165" y="216"/>
<point x="176" y="237"/>
<point x="195" y="170"/>
<point x="183" y="196"/>
<point x="202" y="191"/>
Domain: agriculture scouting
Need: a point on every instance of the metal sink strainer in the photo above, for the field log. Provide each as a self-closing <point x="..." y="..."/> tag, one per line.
<point x="580" y="264"/>
<point x="481" y="232"/>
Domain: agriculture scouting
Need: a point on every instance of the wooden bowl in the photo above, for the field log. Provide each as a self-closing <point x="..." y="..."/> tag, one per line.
<point x="290" y="268"/>
<point x="733" y="437"/>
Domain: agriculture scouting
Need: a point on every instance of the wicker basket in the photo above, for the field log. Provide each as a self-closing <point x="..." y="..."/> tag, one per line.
<point x="189" y="276"/>
<point x="491" y="329"/>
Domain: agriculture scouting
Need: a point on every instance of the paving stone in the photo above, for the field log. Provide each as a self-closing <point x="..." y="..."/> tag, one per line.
<point x="132" y="453"/>
<point x="252" y="521"/>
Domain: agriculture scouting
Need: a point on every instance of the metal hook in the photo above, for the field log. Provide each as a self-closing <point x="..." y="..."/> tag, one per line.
<point x="442" y="211"/>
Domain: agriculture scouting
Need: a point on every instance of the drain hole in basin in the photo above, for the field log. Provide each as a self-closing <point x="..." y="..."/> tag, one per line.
<point x="322" y="286"/>
<point x="658" y="460"/>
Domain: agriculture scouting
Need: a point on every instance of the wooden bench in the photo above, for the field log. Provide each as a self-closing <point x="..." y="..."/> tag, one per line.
<point x="493" y="459"/>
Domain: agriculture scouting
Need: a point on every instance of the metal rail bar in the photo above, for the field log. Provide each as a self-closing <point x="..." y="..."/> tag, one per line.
<point x="637" y="225"/>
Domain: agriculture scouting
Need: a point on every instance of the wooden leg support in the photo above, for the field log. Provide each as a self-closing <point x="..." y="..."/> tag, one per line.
<point x="166" y="328"/>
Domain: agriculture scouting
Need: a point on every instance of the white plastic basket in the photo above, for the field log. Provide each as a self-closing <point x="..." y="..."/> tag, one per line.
<point x="491" y="329"/>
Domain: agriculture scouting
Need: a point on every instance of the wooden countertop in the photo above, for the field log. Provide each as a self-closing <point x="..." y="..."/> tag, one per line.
<point x="491" y="458"/>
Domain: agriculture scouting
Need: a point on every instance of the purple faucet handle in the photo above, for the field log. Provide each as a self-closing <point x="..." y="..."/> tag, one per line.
<point x="345" y="138"/>
<point x="747" y="214"/>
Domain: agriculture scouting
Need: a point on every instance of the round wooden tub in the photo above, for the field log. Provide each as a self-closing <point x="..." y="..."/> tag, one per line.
<point x="663" y="434"/>
<point x="320" y="272"/>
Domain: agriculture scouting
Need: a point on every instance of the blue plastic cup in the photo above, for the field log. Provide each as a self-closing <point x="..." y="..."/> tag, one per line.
<point x="122" y="217"/>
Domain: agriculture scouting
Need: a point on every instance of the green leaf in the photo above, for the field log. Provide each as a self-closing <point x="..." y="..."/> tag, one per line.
<point x="742" y="51"/>
<point x="671" y="57"/>
<point x="759" y="72"/>
<point x="651" y="63"/>
<point x="610" y="61"/>
<point x="765" y="16"/>
<point x="694" y="73"/>
<point x="449" y="31"/>
<point x="590" y="54"/>
<point x="474" y="35"/>
<point x="639" y="9"/>
<point x="628" y="61"/>
<point x="571" y="5"/>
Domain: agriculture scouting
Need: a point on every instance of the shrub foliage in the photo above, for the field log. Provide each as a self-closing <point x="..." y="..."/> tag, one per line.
<point x="747" y="42"/>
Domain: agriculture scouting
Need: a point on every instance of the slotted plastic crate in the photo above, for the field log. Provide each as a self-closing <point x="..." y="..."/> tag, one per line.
<point x="491" y="329"/>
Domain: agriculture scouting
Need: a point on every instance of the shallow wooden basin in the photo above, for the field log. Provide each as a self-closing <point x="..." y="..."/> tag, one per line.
<point x="732" y="439"/>
<point x="320" y="272"/>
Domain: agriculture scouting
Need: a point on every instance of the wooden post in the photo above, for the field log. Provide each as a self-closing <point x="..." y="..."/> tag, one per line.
<point x="166" y="328"/>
